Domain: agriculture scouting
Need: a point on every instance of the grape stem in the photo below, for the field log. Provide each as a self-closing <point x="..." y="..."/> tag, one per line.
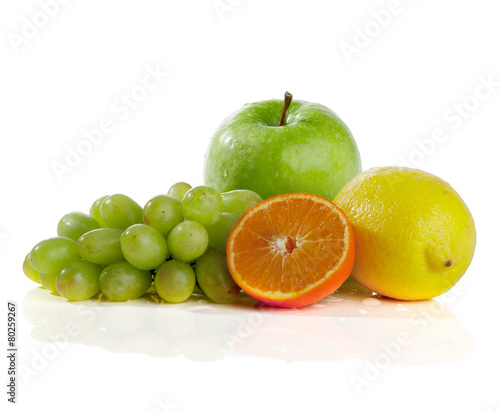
<point x="286" y="104"/>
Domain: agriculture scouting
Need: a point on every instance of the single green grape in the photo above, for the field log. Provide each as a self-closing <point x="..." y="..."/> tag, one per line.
<point x="179" y="190"/>
<point x="123" y="282"/>
<point x="48" y="281"/>
<point x="144" y="247"/>
<point x="79" y="281"/>
<point x="74" y="225"/>
<point x="214" y="277"/>
<point x="219" y="231"/>
<point x="29" y="271"/>
<point x="187" y="241"/>
<point x="95" y="210"/>
<point x="175" y="281"/>
<point x="239" y="201"/>
<point x="101" y="246"/>
<point x="120" y="211"/>
<point x="163" y="212"/>
<point x="202" y="204"/>
<point x="52" y="255"/>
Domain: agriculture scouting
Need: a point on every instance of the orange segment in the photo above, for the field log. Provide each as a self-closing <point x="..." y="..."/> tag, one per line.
<point x="291" y="250"/>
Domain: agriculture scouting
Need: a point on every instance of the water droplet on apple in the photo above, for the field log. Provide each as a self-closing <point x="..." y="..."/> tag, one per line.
<point x="225" y="173"/>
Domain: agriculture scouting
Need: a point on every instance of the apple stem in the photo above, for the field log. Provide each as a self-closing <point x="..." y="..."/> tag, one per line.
<point x="286" y="104"/>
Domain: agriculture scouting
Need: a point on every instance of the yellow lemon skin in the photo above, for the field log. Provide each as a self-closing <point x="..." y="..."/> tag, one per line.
<point x="415" y="236"/>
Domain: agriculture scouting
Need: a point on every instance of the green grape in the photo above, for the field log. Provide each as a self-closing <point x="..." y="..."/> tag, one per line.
<point x="202" y="204"/>
<point x="144" y="247"/>
<point x="30" y="272"/>
<point x="48" y="281"/>
<point x="163" y="212"/>
<point x="123" y="282"/>
<point x="219" y="231"/>
<point x="74" y="225"/>
<point x="79" y="281"/>
<point x="120" y="211"/>
<point x="175" y="281"/>
<point x="95" y="210"/>
<point x="187" y="241"/>
<point x="214" y="277"/>
<point x="101" y="246"/>
<point x="239" y="201"/>
<point x="52" y="255"/>
<point x="178" y="190"/>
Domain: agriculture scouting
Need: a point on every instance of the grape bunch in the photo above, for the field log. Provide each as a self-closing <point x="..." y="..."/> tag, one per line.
<point x="176" y="244"/>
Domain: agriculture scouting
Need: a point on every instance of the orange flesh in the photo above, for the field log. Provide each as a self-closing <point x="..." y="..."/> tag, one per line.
<point x="290" y="244"/>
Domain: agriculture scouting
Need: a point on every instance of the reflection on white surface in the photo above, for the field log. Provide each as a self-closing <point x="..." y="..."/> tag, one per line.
<point x="351" y="323"/>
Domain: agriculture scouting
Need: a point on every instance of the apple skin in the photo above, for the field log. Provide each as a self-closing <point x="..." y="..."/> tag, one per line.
<point x="314" y="152"/>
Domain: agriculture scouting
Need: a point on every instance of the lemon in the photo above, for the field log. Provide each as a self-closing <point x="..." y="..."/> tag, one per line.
<point x="415" y="236"/>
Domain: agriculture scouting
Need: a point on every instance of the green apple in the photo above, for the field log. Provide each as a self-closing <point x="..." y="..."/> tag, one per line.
<point x="272" y="148"/>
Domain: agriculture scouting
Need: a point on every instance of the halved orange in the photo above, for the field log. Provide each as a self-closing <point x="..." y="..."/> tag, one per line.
<point x="291" y="250"/>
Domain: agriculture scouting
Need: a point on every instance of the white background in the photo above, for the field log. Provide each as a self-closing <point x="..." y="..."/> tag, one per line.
<point x="420" y="65"/>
